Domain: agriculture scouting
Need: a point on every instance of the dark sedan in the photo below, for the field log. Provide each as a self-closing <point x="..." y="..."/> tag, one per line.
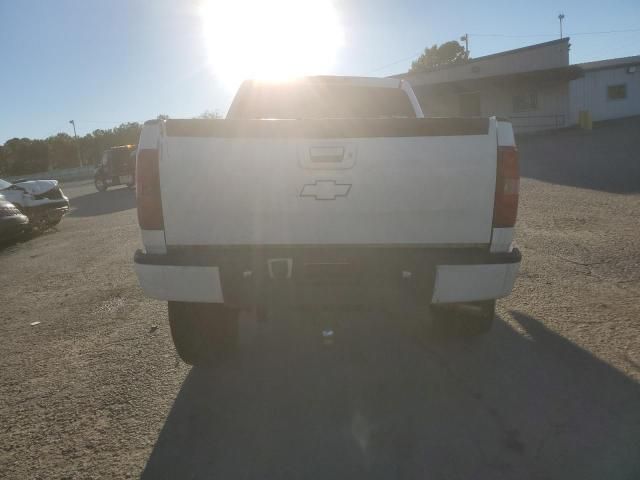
<point x="12" y="221"/>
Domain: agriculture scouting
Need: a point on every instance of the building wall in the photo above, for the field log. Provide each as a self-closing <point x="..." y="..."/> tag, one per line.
<point x="590" y="93"/>
<point x="551" y="109"/>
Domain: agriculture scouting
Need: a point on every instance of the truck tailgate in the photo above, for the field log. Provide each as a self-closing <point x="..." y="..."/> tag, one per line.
<point x="341" y="181"/>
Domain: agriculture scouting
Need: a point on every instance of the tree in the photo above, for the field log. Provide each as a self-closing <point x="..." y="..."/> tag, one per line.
<point x="20" y="156"/>
<point x="98" y="141"/>
<point x="62" y="151"/>
<point x="210" y="114"/>
<point x="449" y="53"/>
<point x="23" y="155"/>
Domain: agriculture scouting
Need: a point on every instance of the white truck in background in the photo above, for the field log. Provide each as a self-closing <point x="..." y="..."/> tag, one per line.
<point x="325" y="191"/>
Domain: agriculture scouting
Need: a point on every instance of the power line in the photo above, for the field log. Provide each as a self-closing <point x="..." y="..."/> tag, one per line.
<point x="100" y="121"/>
<point x="512" y="36"/>
<point x="602" y="32"/>
<point x="395" y="63"/>
<point x="506" y="35"/>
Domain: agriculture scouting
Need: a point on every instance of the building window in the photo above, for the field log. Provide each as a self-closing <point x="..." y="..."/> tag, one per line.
<point x="525" y="102"/>
<point x="617" y="92"/>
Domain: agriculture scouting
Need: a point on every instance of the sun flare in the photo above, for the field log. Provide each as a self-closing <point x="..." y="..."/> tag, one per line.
<point x="270" y="40"/>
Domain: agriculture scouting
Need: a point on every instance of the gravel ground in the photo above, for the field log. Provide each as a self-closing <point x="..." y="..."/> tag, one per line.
<point x="96" y="391"/>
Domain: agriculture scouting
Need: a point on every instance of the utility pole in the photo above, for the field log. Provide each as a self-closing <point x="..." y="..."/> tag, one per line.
<point x="465" y="39"/>
<point x="72" y="122"/>
<point x="561" y="17"/>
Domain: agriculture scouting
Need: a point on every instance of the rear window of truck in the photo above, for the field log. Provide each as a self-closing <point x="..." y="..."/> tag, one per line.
<point x="318" y="100"/>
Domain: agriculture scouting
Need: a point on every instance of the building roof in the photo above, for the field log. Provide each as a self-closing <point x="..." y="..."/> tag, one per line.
<point x="486" y="57"/>
<point x="558" y="74"/>
<point x="611" y="63"/>
<point x="552" y="55"/>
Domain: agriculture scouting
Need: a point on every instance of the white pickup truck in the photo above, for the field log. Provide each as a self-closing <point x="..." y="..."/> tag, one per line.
<point x="325" y="191"/>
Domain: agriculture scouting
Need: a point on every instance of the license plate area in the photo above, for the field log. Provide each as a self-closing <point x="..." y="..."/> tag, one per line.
<point x="318" y="273"/>
<point x="330" y="272"/>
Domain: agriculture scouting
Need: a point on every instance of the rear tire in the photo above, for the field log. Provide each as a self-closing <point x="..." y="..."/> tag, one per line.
<point x="203" y="333"/>
<point x="473" y="325"/>
<point x="465" y="320"/>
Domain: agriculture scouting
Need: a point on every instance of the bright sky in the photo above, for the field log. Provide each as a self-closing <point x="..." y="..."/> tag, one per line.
<point x="102" y="62"/>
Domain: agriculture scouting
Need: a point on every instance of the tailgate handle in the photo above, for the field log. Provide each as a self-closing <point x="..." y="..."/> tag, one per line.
<point x="326" y="154"/>
<point x="327" y="157"/>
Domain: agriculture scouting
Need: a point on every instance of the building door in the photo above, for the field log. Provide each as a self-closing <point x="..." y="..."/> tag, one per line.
<point x="470" y="104"/>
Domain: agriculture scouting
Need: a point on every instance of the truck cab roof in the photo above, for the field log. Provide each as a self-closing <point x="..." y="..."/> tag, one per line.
<point x="123" y="147"/>
<point x="325" y="97"/>
<point x="335" y="80"/>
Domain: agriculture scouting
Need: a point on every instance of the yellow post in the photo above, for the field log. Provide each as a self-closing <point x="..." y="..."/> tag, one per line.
<point x="588" y="122"/>
<point x="584" y="120"/>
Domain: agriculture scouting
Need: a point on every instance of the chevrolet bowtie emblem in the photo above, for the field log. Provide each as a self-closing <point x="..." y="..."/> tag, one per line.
<point x="325" y="190"/>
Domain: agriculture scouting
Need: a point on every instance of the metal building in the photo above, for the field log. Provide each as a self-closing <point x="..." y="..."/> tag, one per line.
<point x="529" y="85"/>
<point x="609" y="89"/>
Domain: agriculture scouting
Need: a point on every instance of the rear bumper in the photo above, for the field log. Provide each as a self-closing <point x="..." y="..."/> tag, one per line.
<point x="50" y="209"/>
<point x="183" y="283"/>
<point x="58" y="211"/>
<point x="470" y="283"/>
<point x="246" y="276"/>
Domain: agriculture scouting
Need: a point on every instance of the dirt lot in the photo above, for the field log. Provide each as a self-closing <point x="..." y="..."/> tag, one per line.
<point x="96" y="391"/>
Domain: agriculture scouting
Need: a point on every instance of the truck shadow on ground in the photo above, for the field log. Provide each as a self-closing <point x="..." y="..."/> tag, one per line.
<point x="379" y="404"/>
<point x="605" y="158"/>
<point x="102" y="203"/>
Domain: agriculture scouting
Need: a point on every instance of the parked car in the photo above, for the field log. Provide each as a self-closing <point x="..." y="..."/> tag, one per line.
<point x="116" y="167"/>
<point x="42" y="201"/>
<point x="12" y="222"/>
<point x="345" y="196"/>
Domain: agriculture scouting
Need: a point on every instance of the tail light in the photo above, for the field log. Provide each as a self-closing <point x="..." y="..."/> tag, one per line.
<point x="505" y="208"/>
<point x="148" y="190"/>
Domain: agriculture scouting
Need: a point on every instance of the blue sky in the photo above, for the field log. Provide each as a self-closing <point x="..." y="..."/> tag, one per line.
<point x="111" y="61"/>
